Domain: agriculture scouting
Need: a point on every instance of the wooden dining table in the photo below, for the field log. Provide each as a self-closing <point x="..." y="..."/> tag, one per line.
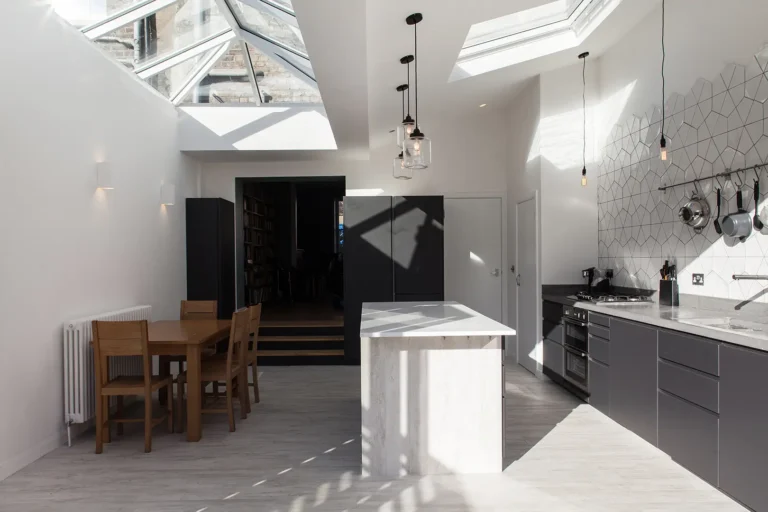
<point x="188" y="338"/>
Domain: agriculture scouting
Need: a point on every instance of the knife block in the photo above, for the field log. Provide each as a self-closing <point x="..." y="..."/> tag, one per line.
<point x="669" y="293"/>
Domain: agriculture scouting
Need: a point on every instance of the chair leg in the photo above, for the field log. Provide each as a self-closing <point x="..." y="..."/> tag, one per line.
<point x="242" y="392"/>
<point x="230" y="410"/>
<point x="147" y="423"/>
<point x="105" y="414"/>
<point x="119" y="415"/>
<point x="180" y="406"/>
<point x="255" y="370"/>
<point x="99" y="425"/>
<point x="170" y="408"/>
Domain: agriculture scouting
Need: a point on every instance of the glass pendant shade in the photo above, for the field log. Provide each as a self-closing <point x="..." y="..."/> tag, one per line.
<point x="399" y="170"/>
<point x="417" y="151"/>
<point x="404" y="131"/>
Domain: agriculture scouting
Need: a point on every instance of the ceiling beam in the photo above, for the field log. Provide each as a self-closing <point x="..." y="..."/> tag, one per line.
<point x="201" y="72"/>
<point x="125" y="17"/>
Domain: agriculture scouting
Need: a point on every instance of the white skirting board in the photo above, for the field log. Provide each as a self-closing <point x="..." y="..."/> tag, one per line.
<point x="431" y="405"/>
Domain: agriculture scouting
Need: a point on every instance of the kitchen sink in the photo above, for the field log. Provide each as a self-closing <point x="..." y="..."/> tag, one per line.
<point x="729" y="324"/>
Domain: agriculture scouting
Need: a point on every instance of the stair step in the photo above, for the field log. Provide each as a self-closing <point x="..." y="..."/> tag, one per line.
<point x="294" y="353"/>
<point x="299" y="338"/>
<point x="302" y="323"/>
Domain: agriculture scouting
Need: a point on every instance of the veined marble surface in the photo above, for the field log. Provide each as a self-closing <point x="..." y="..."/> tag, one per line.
<point x="426" y="319"/>
<point x="743" y="330"/>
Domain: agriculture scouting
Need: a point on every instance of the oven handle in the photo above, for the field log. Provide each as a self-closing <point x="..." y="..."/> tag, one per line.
<point x="574" y="322"/>
<point x="574" y="351"/>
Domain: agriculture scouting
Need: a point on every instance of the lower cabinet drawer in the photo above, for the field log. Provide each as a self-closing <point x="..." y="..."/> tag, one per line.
<point x="599" y="350"/>
<point x="689" y="434"/>
<point x="600" y="387"/>
<point x="554" y="357"/>
<point x="693" y="386"/>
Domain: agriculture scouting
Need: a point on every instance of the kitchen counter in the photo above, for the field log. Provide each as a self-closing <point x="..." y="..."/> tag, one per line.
<point x="426" y="319"/>
<point x="431" y="389"/>
<point x="743" y="330"/>
<point x="558" y="299"/>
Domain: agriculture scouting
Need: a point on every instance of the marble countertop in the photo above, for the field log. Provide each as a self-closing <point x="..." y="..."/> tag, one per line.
<point x="425" y="319"/>
<point x="743" y="330"/>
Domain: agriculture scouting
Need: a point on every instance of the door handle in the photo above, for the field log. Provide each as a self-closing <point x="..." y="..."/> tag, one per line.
<point x="517" y="279"/>
<point x="496" y="272"/>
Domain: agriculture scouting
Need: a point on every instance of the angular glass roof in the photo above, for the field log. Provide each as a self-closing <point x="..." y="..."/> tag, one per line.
<point x="203" y="51"/>
<point x="529" y="34"/>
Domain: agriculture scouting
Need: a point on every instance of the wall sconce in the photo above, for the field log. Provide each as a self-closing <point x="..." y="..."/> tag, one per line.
<point x="167" y="194"/>
<point x="104" y="176"/>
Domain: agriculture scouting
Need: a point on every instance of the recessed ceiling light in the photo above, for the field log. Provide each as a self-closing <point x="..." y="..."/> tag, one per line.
<point x="484" y="104"/>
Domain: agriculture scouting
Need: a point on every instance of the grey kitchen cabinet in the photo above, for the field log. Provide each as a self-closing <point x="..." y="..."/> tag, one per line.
<point x="744" y="425"/>
<point x="554" y="357"/>
<point x="633" y="378"/>
<point x="600" y="386"/>
<point x="688" y="433"/>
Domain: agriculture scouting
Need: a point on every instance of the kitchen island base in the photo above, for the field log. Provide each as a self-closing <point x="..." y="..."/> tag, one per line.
<point x="431" y="405"/>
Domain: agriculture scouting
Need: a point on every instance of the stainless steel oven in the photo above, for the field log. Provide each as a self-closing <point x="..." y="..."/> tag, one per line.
<point x="575" y="341"/>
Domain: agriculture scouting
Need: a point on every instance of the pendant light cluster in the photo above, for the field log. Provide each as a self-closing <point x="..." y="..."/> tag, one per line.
<point x="416" y="147"/>
<point x="583" y="58"/>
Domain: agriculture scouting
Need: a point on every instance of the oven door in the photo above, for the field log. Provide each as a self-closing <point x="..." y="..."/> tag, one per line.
<point x="577" y="368"/>
<point x="575" y="334"/>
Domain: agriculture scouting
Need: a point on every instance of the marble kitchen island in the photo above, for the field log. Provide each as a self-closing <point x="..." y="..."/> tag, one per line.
<point x="431" y="389"/>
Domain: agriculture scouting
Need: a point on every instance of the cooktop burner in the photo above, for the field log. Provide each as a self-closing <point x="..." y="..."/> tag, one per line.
<point x="612" y="299"/>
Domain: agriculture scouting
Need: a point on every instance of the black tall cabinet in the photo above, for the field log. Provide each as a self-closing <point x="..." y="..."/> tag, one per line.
<point x="211" y="253"/>
<point x="393" y="251"/>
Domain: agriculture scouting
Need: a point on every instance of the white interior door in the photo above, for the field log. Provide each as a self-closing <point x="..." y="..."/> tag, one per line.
<point x="473" y="254"/>
<point x="528" y="348"/>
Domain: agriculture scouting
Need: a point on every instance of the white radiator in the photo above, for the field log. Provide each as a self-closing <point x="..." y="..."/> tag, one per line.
<point x="79" y="385"/>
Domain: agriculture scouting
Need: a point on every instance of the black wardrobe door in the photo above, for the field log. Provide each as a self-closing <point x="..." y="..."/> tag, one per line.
<point x="367" y="263"/>
<point x="418" y="245"/>
<point x="202" y="249"/>
<point x="226" y="267"/>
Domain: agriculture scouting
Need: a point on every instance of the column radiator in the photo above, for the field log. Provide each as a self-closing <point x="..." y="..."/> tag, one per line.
<point x="79" y="385"/>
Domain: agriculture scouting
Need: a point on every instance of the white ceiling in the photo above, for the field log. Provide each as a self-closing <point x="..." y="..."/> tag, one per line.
<point x="355" y="47"/>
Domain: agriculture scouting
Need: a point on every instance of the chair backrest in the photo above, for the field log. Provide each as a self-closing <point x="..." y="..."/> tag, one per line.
<point x="199" y="310"/>
<point x="120" y="339"/>
<point x="255" y="319"/>
<point x="238" y="338"/>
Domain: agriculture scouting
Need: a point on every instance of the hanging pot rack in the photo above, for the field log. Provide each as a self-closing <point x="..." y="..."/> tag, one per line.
<point x="725" y="174"/>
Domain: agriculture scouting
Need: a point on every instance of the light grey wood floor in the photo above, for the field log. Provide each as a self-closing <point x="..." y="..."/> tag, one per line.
<point x="300" y="451"/>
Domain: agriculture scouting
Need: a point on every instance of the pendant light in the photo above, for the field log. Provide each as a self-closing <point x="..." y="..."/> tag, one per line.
<point x="399" y="170"/>
<point x="663" y="142"/>
<point x="405" y="129"/>
<point x="583" y="58"/>
<point x="417" y="149"/>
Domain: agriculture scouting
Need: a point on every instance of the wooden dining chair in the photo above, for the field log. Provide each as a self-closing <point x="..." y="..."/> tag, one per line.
<point x="111" y="339"/>
<point x="232" y="370"/>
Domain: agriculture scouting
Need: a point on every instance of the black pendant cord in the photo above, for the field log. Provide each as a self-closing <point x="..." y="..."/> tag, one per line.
<point x="403" y="103"/>
<point x="584" y="110"/>
<point x="409" y="89"/>
<point x="663" y="78"/>
<point x="416" y="73"/>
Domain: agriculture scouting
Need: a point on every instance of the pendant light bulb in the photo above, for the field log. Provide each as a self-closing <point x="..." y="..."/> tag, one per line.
<point x="663" y="148"/>
<point x="584" y="177"/>
<point x="663" y="142"/>
<point x="583" y="58"/>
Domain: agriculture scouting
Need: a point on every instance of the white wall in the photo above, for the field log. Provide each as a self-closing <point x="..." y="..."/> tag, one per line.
<point x="68" y="249"/>
<point x="568" y="210"/>
<point x="523" y="170"/>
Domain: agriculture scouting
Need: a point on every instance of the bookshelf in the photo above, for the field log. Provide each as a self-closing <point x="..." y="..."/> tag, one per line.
<point x="259" y="244"/>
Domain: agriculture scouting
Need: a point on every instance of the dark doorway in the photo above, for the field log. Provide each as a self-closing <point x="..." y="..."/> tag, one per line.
<point x="290" y="259"/>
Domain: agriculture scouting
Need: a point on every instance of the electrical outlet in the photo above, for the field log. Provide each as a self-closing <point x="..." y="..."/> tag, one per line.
<point x="698" y="279"/>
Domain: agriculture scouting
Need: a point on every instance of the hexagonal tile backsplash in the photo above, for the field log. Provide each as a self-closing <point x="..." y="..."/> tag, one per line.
<point x="720" y="124"/>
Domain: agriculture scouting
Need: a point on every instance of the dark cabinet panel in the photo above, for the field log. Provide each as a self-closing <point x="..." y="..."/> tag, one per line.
<point x="633" y="378"/>
<point x="600" y="387"/>
<point x="693" y="386"/>
<point x="367" y="262"/>
<point x="599" y="331"/>
<point x="553" y="331"/>
<point x="596" y="318"/>
<point x="688" y="434"/>
<point x="211" y="252"/>
<point x="418" y="245"/>
<point x="744" y="425"/>
<point x="554" y="357"/>
<point x="690" y="351"/>
<point x="552" y="311"/>
<point x="599" y="350"/>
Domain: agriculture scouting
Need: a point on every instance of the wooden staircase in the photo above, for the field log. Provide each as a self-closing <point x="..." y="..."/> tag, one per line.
<point x="301" y="342"/>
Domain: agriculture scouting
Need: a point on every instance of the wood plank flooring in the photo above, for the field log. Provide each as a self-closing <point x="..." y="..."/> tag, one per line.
<point x="300" y="451"/>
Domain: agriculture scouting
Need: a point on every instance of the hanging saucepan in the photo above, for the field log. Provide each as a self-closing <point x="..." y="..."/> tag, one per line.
<point x="695" y="213"/>
<point x="739" y="224"/>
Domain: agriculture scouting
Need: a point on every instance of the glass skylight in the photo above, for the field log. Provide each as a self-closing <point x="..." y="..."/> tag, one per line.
<point x="529" y="34"/>
<point x="252" y="51"/>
